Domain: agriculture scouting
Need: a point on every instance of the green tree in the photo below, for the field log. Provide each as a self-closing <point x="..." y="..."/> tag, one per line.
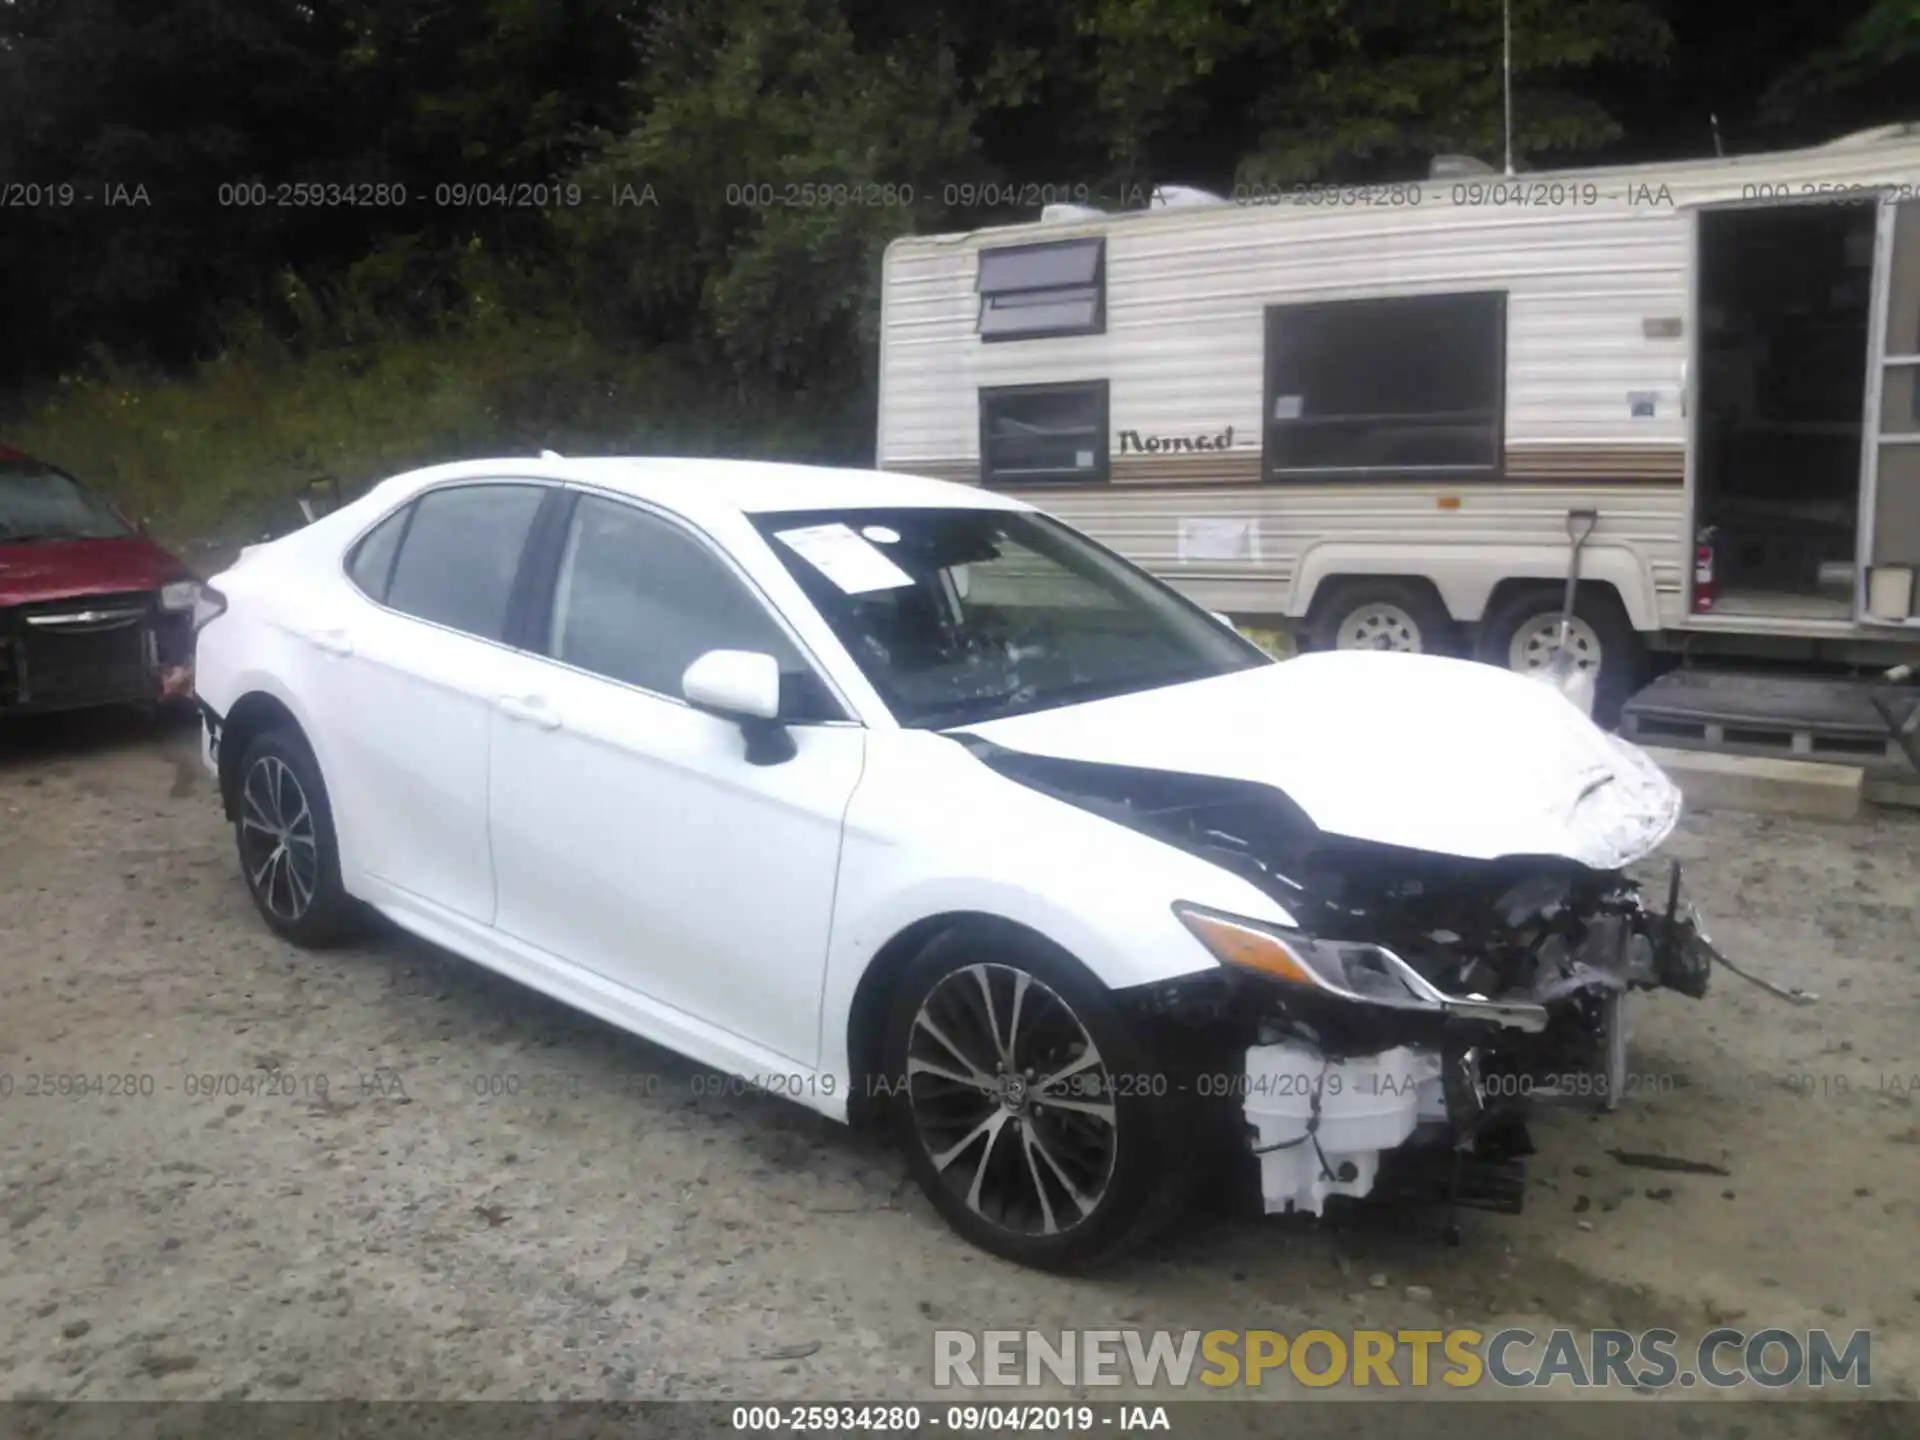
<point x="1373" y="88"/>
<point x="1153" y="67"/>
<point x="773" y="160"/>
<point x="156" y="106"/>
<point x="1871" y="72"/>
<point x="491" y="90"/>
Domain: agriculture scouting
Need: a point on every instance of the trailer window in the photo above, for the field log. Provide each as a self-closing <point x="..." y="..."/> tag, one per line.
<point x="1386" y="387"/>
<point x="1039" y="434"/>
<point x="1055" y="288"/>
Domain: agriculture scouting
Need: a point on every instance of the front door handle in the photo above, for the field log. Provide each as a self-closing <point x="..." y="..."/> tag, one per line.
<point x="527" y="710"/>
<point x="334" y="642"/>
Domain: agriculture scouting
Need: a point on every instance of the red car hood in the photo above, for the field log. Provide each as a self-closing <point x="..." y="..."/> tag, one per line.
<point x="55" y="569"/>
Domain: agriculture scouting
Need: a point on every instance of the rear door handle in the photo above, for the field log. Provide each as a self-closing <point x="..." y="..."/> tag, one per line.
<point x="334" y="642"/>
<point x="527" y="710"/>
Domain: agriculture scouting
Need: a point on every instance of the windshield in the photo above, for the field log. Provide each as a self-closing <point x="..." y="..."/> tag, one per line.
<point x="40" y="503"/>
<point x="960" y="616"/>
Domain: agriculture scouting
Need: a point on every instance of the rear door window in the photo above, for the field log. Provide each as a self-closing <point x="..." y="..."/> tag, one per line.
<point x="460" y="555"/>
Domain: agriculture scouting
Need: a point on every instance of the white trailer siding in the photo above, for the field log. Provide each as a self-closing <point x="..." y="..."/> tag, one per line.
<point x="1186" y="294"/>
<point x="1321" y="530"/>
<point x="1599" y="309"/>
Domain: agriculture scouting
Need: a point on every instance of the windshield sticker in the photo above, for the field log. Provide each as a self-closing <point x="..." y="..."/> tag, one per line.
<point x="882" y="534"/>
<point x="845" y="558"/>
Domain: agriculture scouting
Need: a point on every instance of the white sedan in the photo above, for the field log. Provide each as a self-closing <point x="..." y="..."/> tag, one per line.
<point x="905" y="800"/>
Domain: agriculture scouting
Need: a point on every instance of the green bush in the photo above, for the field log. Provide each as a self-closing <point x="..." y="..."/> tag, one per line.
<point x="212" y="453"/>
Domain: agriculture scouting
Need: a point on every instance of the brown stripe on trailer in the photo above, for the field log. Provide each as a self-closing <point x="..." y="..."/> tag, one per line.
<point x="1597" y="463"/>
<point x="1232" y="467"/>
<point x="1549" y="464"/>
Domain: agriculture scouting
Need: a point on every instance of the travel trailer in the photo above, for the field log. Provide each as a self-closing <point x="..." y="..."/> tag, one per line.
<point x="1371" y="415"/>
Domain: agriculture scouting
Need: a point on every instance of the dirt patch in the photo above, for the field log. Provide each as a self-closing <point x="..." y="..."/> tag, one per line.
<point x="385" y="1173"/>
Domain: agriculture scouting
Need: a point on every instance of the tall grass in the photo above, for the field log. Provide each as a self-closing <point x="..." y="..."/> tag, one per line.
<point x="210" y="454"/>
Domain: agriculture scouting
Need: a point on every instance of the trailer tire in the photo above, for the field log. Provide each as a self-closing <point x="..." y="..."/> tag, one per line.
<point x="1387" y="613"/>
<point x="1519" y="630"/>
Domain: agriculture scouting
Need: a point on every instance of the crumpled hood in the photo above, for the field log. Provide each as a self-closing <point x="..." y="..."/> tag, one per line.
<point x="1447" y="756"/>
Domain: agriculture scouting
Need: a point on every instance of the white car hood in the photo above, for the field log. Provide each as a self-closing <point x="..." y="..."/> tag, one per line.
<point x="1447" y="756"/>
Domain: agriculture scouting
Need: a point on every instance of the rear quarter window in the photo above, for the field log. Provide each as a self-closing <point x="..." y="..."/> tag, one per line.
<point x="370" y="562"/>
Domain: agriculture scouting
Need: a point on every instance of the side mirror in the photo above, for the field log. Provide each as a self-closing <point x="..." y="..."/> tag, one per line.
<point x="739" y="684"/>
<point x="743" y="686"/>
<point x="320" y="496"/>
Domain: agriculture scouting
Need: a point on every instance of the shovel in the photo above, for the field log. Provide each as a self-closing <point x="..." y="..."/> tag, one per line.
<point x="1563" y="670"/>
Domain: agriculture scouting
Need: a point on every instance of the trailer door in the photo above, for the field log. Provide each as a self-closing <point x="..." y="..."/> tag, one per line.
<point x="1889" y="549"/>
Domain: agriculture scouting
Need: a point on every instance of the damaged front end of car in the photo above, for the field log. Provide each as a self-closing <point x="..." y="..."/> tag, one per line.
<point x="1395" y="1034"/>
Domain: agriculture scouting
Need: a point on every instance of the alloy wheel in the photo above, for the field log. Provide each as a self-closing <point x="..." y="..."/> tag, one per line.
<point x="277" y="842"/>
<point x="1012" y="1100"/>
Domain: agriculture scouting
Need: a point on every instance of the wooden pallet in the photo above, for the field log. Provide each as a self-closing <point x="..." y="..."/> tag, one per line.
<point x="1789" y="717"/>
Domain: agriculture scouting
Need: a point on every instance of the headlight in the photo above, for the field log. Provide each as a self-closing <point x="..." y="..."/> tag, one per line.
<point x="1351" y="969"/>
<point x="180" y="595"/>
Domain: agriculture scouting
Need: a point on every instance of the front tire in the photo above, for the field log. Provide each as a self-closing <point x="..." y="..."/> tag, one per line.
<point x="284" y="833"/>
<point x="1029" y="1113"/>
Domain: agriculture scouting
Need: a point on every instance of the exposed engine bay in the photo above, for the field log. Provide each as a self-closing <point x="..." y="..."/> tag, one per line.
<point x="1443" y="996"/>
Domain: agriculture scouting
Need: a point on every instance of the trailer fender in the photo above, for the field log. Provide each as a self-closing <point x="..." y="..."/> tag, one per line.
<point x="1466" y="578"/>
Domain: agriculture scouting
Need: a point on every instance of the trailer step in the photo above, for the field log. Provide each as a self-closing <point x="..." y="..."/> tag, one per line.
<point x="1788" y="717"/>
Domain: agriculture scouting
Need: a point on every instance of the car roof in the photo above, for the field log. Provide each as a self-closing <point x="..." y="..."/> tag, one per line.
<point x="695" y="486"/>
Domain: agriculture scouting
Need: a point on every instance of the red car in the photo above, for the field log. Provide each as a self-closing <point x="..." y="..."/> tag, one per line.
<point x="92" y="611"/>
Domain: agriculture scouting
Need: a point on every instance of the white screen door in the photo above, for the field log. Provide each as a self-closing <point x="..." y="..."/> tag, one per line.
<point x="1890" y="460"/>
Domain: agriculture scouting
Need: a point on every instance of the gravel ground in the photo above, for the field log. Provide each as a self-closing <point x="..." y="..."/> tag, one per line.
<point x="495" y="1198"/>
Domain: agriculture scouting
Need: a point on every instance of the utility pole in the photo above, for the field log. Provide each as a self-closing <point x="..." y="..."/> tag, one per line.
<point x="1506" y="73"/>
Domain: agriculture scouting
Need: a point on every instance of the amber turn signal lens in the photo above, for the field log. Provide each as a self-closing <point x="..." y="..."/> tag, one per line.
<point x="1248" y="948"/>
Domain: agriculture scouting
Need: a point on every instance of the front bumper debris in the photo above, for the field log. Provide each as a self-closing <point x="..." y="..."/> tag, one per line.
<point x="1441" y="1114"/>
<point x="176" y="682"/>
<point x="1320" y="1125"/>
<point x="210" y="723"/>
<point x="91" y="651"/>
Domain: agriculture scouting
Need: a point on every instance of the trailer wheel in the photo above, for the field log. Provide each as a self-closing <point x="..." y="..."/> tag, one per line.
<point x="1521" y="632"/>
<point x="1385" y="614"/>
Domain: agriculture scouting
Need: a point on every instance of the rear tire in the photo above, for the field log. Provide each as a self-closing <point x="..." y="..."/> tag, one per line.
<point x="289" y="857"/>
<point x="1520" y="633"/>
<point x="1060" y="1178"/>
<point x="1383" y="614"/>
